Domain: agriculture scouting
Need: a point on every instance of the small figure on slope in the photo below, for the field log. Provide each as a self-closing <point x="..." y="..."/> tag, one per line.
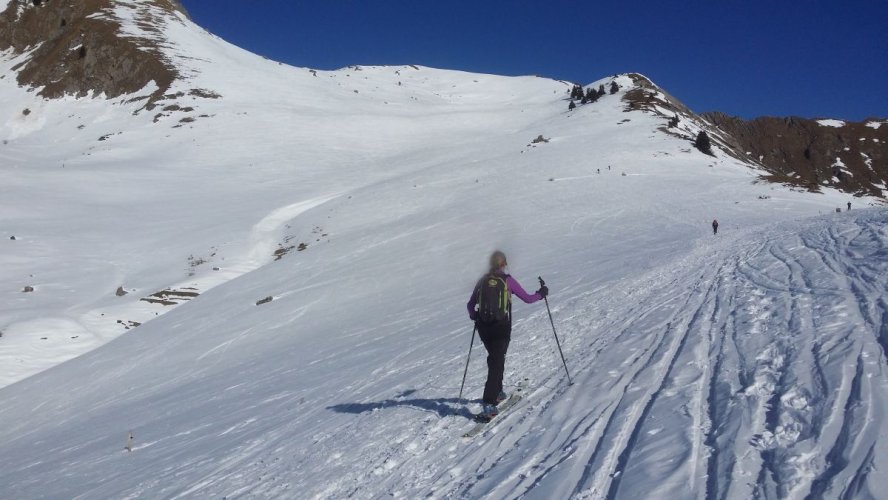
<point x="490" y="307"/>
<point x="714" y="226"/>
<point x="849" y="205"/>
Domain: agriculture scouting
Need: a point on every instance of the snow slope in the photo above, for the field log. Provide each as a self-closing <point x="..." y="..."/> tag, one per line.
<point x="748" y="363"/>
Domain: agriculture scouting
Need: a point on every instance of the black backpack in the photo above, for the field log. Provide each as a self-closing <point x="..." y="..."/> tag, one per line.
<point x="494" y="299"/>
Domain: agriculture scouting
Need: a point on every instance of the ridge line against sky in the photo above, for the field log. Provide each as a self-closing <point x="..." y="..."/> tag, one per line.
<point x="813" y="59"/>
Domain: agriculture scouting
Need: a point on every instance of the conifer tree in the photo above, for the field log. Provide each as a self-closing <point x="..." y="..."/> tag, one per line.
<point x="703" y="143"/>
<point x="614" y="88"/>
<point x="576" y="92"/>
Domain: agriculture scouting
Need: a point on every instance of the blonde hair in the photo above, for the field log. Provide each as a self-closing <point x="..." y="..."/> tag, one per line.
<point x="497" y="260"/>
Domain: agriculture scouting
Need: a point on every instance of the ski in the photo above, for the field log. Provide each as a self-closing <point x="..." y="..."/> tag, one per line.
<point x="481" y="425"/>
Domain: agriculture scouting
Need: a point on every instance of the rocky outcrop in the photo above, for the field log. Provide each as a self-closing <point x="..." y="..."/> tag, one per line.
<point x="647" y="96"/>
<point x="75" y="47"/>
<point x="851" y="156"/>
<point x="807" y="153"/>
<point x="678" y="120"/>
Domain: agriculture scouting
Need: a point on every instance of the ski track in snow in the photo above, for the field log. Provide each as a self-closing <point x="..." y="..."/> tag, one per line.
<point x="701" y="329"/>
<point x="747" y="365"/>
<point x="751" y="368"/>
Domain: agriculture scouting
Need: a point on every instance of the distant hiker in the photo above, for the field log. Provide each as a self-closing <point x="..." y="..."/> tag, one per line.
<point x="849" y="205"/>
<point x="490" y="307"/>
<point x="599" y="170"/>
<point x="714" y="226"/>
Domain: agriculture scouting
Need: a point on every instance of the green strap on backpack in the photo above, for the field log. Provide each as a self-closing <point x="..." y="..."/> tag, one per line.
<point x="494" y="299"/>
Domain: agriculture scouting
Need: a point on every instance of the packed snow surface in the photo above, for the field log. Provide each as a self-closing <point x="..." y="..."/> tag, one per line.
<point x="831" y="123"/>
<point x="364" y="203"/>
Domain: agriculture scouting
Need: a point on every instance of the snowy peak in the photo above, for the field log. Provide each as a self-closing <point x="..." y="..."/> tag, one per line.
<point x="680" y="121"/>
<point x="641" y="95"/>
<point x="806" y="153"/>
<point x="648" y="96"/>
<point x="150" y="53"/>
<point x="90" y="47"/>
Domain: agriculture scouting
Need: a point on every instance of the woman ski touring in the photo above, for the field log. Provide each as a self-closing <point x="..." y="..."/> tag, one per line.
<point x="490" y="307"/>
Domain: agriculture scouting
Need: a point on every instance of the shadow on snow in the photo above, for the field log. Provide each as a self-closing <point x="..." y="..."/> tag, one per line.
<point x="444" y="407"/>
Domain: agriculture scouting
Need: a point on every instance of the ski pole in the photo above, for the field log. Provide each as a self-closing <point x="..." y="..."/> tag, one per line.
<point x="543" y="283"/>
<point x="467" y="362"/>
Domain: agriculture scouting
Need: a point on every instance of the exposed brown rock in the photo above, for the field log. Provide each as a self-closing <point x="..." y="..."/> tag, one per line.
<point x="647" y="96"/>
<point x="80" y="53"/>
<point x="803" y="152"/>
<point x="170" y="297"/>
<point x="281" y="251"/>
<point x="795" y="151"/>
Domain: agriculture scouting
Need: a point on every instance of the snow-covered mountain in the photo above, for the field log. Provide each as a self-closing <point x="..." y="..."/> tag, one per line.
<point x="151" y="222"/>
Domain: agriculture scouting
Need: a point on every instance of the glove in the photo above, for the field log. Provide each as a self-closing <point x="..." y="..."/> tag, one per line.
<point x="543" y="291"/>
<point x="473" y="315"/>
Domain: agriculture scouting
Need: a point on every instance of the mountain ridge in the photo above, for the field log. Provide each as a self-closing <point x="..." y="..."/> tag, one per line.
<point x="69" y="47"/>
<point x="811" y="153"/>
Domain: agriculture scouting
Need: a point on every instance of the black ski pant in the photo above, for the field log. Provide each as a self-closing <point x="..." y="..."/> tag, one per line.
<point x="496" y="339"/>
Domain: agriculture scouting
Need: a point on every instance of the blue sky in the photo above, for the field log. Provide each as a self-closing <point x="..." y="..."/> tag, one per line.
<point x="752" y="58"/>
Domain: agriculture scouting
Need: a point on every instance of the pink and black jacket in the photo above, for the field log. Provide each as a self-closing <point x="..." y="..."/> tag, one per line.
<point x="515" y="288"/>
